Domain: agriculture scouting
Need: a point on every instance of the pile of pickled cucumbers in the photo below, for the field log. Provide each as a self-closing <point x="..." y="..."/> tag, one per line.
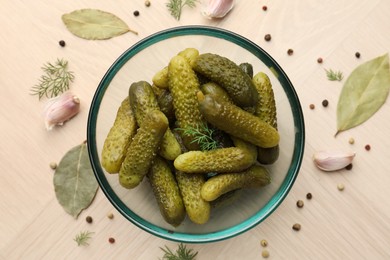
<point x="155" y="135"/>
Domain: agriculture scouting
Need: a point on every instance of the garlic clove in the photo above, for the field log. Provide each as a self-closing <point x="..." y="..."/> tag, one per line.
<point x="60" y="109"/>
<point x="332" y="160"/>
<point x="216" y="8"/>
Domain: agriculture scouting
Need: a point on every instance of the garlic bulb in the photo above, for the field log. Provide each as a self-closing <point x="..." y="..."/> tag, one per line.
<point x="60" y="109"/>
<point x="216" y="8"/>
<point x="332" y="160"/>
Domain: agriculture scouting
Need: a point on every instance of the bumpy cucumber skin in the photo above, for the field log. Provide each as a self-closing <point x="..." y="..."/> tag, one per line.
<point x="247" y="68"/>
<point x="237" y="122"/>
<point x="160" y="79"/>
<point x="143" y="149"/>
<point x="166" y="192"/>
<point x="119" y="138"/>
<point x="142" y="101"/>
<point x="190" y="185"/>
<point x="266" y="110"/>
<point x="231" y="159"/>
<point x="184" y="85"/>
<point x="228" y="75"/>
<point x="255" y="177"/>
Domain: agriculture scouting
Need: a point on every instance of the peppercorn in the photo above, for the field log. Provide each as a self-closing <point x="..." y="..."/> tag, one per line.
<point x="357" y="55"/>
<point x="290" y="51"/>
<point x="264" y="243"/>
<point x="300" y="203"/>
<point x="351" y="140"/>
<point x="110" y="215"/>
<point x="62" y="43"/>
<point x="309" y="196"/>
<point x="265" y="8"/>
<point x="367" y="147"/>
<point x="136" y="13"/>
<point x="267" y="37"/>
<point x="296" y="227"/>
<point x="319" y="60"/>
<point x="53" y="165"/>
<point x="111" y="240"/>
<point x="349" y="167"/>
<point x="89" y="219"/>
<point x="325" y="103"/>
<point x="311" y="106"/>
<point x="340" y="187"/>
<point x="147" y="3"/>
<point x="265" y="253"/>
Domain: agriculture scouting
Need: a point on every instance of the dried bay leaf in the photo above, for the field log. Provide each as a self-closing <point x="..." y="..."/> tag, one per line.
<point x="74" y="182"/>
<point x="363" y="93"/>
<point x="94" y="24"/>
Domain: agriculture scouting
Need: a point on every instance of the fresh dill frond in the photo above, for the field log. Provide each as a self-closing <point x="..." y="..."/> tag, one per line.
<point x="182" y="253"/>
<point x="55" y="80"/>
<point x="175" y="6"/>
<point x="203" y="135"/>
<point x="82" y="238"/>
<point x="334" y="75"/>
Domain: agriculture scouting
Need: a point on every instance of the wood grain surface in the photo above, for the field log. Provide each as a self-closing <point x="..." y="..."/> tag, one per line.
<point x="349" y="224"/>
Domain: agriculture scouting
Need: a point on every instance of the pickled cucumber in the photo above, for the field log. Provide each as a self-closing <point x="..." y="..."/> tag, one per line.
<point x="143" y="149"/>
<point x="160" y="79"/>
<point x="119" y="138"/>
<point x="228" y="75"/>
<point x="231" y="159"/>
<point x="142" y="101"/>
<point x="183" y="85"/>
<point x="266" y="110"/>
<point x="255" y="177"/>
<point x="237" y="122"/>
<point x="215" y="90"/>
<point x="166" y="192"/>
<point x="190" y="185"/>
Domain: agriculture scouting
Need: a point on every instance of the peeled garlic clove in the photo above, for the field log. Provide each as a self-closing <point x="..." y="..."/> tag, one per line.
<point x="60" y="109"/>
<point x="217" y="8"/>
<point x="332" y="160"/>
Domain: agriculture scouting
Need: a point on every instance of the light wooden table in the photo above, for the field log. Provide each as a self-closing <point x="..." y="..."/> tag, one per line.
<point x="352" y="224"/>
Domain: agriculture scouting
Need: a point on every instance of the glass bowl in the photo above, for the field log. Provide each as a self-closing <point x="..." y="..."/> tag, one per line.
<point x="140" y="62"/>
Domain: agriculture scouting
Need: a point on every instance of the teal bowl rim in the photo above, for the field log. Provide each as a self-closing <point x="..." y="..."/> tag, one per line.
<point x="275" y="201"/>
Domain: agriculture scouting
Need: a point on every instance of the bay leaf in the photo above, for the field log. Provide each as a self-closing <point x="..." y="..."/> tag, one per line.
<point x="74" y="182"/>
<point x="94" y="24"/>
<point x="364" y="92"/>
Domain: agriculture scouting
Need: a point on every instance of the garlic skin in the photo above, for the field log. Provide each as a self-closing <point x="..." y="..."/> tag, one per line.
<point x="332" y="160"/>
<point x="216" y="8"/>
<point x="60" y="109"/>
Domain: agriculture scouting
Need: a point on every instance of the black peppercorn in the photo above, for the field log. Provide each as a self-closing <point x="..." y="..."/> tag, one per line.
<point x="290" y="51"/>
<point x="357" y="55"/>
<point x="265" y="7"/>
<point x="267" y="37"/>
<point x="325" y="103"/>
<point x="111" y="240"/>
<point x="309" y="196"/>
<point x="136" y="13"/>
<point x="349" y="166"/>
<point x="88" y="219"/>
<point x="62" y="43"/>
<point x="319" y="60"/>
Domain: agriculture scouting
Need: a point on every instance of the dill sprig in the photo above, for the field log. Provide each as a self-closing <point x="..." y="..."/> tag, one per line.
<point x="175" y="6"/>
<point x="182" y="253"/>
<point x="82" y="238"/>
<point x="203" y="135"/>
<point x="334" y="75"/>
<point x="55" y="81"/>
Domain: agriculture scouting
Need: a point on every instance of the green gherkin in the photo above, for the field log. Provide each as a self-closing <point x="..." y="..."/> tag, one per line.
<point x="254" y="177"/>
<point x="119" y="138"/>
<point x="230" y="76"/>
<point x="142" y="101"/>
<point x="198" y="210"/>
<point x="166" y="192"/>
<point x="183" y="85"/>
<point x="143" y="149"/>
<point x="237" y="122"/>
<point x="266" y="110"/>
